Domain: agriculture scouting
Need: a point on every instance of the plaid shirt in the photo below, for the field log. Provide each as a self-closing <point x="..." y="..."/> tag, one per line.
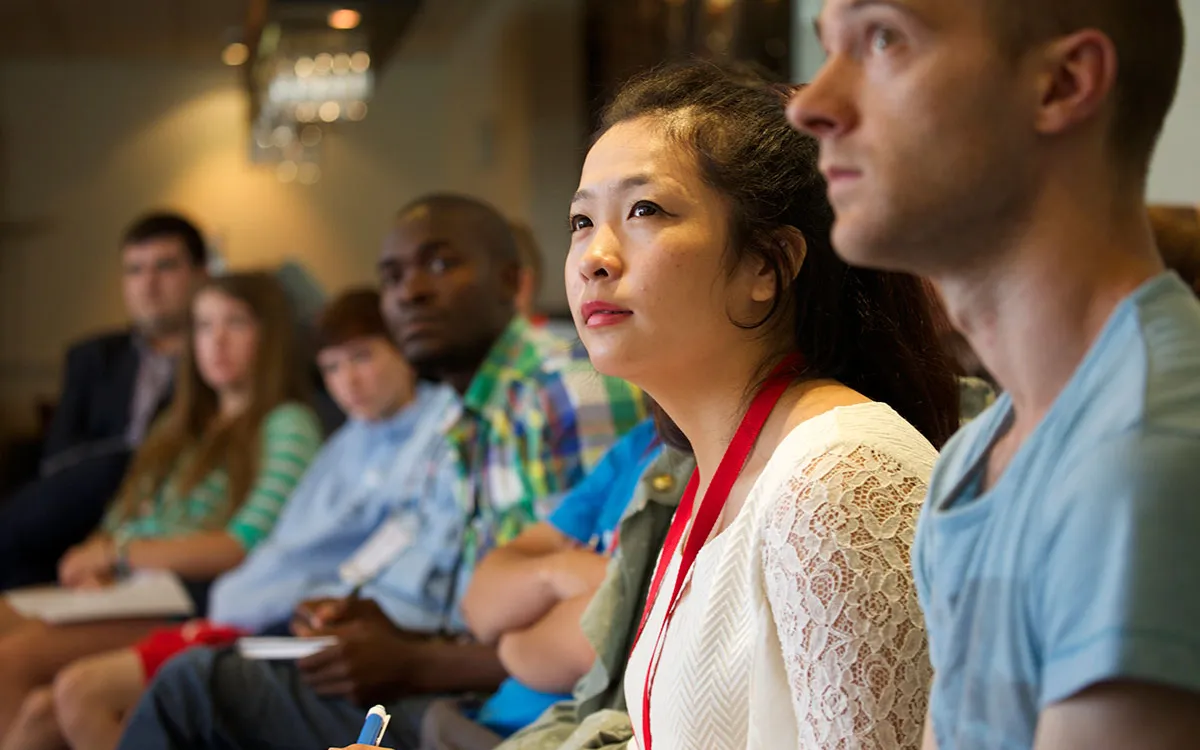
<point x="535" y="420"/>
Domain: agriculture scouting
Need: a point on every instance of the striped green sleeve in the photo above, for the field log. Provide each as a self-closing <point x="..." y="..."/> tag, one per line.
<point x="291" y="438"/>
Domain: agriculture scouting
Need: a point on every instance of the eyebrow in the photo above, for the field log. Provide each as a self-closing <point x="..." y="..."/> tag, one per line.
<point x="637" y="180"/>
<point x="857" y="6"/>
<point x="430" y="247"/>
<point x="424" y="252"/>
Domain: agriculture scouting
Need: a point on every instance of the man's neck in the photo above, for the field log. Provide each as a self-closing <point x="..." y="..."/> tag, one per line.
<point x="395" y="408"/>
<point x="461" y="370"/>
<point x="460" y="378"/>
<point x="1034" y="309"/>
<point x="167" y="344"/>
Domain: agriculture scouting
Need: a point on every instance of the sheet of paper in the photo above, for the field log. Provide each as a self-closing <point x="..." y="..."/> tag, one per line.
<point x="283" y="649"/>
<point x="387" y="543"/>
<point x="145" y="594"/>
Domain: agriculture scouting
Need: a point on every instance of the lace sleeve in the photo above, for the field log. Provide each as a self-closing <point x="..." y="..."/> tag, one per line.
<point x="835" y="566"/>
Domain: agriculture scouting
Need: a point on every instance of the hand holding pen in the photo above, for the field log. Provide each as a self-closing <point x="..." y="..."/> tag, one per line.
<point x="369" y="660"/>
<point x="317" y="616"/>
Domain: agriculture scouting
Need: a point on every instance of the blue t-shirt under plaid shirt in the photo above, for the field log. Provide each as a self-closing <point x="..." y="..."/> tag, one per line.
<point x="1079" y="564"/>
<point x="535" y="420"/>
<point x="590" y="515"/>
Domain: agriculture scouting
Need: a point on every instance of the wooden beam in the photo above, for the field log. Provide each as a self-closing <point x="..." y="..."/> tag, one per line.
<point x="257" y="12"/>
<point x="389" y="19"/>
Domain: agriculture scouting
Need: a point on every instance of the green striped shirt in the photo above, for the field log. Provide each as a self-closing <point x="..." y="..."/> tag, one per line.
<point x="291" y="436"/>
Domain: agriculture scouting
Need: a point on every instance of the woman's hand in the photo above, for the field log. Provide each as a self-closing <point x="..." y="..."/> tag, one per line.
<point x="88" y="565"/>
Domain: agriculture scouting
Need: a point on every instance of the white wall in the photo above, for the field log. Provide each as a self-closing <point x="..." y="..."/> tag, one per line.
<point x="515" y="119"/>
<point x="807" y="54"/>
<point x="1175" y="173"/>
<point x="88" y="145"/>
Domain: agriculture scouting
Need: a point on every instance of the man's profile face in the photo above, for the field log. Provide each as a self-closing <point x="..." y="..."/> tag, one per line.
<point x="925" y="128"/>
<point x="158" y="279"/>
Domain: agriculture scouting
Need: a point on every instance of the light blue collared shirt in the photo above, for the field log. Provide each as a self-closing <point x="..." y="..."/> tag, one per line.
<point x="366" y="473"/>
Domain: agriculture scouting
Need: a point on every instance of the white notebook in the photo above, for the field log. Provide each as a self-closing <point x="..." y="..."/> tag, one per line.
<point x="145" y="594"/>
<point x="283" y="649"/>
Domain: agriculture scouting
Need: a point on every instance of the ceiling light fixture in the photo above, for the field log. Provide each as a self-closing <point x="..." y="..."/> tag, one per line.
<point x="235" y="54"/>
<point x="344" y="19"/>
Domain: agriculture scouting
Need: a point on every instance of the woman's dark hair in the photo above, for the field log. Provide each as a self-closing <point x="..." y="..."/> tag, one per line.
<point x="870" y="330"/>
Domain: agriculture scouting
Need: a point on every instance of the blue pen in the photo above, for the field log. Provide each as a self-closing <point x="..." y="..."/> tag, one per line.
<point x="374" y="726"/>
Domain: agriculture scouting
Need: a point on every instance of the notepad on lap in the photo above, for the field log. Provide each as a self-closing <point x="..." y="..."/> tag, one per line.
<point x="283" y="649"/>
<point x="145" y="594"/>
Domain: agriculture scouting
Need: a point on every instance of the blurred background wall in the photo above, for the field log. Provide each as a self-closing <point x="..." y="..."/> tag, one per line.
<point x="99" y="122"/>
<point x="112" y="107"/>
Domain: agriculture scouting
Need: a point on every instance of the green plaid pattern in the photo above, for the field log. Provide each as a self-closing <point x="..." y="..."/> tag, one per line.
<point x="535" y="420"/>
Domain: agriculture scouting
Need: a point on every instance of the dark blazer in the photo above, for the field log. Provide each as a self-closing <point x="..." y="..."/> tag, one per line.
<point x="84" y="458"/>
<point x="97" y="393"/>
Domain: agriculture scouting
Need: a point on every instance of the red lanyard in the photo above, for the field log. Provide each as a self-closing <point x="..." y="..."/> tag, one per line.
<point x="718" y="491"/>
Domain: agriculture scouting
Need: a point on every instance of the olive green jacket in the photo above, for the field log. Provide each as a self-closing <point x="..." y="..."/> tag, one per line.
<point x="595" y="717"/>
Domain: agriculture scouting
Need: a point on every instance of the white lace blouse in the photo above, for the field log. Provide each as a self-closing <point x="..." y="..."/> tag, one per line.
<point x="800" y="626"/>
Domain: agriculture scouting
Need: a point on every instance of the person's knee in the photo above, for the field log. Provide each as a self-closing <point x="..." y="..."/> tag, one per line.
<point x="10" y="660"/>
<point x="437" y="723"/>
<point x="174" y="703"/>
<point x="18" y="664"/>
<point x="38" y="707"/>
<point x="181" y="683"/>
<point x="34" y="719"/>
<point x="433" y="721"/>
<point x="78" y="690"/>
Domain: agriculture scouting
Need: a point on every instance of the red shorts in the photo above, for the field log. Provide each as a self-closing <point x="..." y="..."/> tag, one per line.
<point x="162" y="644"/>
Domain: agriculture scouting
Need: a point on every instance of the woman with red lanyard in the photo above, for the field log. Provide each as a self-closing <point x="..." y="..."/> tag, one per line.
<point x="782" y="613"/>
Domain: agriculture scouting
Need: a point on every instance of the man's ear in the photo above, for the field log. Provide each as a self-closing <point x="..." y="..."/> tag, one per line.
<point x="527" y="290"/>
<point x="1080" y="73"/>
<point x="510" y="280"/>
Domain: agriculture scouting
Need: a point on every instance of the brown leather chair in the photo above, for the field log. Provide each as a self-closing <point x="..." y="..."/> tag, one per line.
<point x="1177" y="232"/>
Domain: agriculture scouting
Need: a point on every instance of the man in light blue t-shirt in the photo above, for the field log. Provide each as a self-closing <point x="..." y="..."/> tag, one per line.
<point x="1001" y="147"/>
